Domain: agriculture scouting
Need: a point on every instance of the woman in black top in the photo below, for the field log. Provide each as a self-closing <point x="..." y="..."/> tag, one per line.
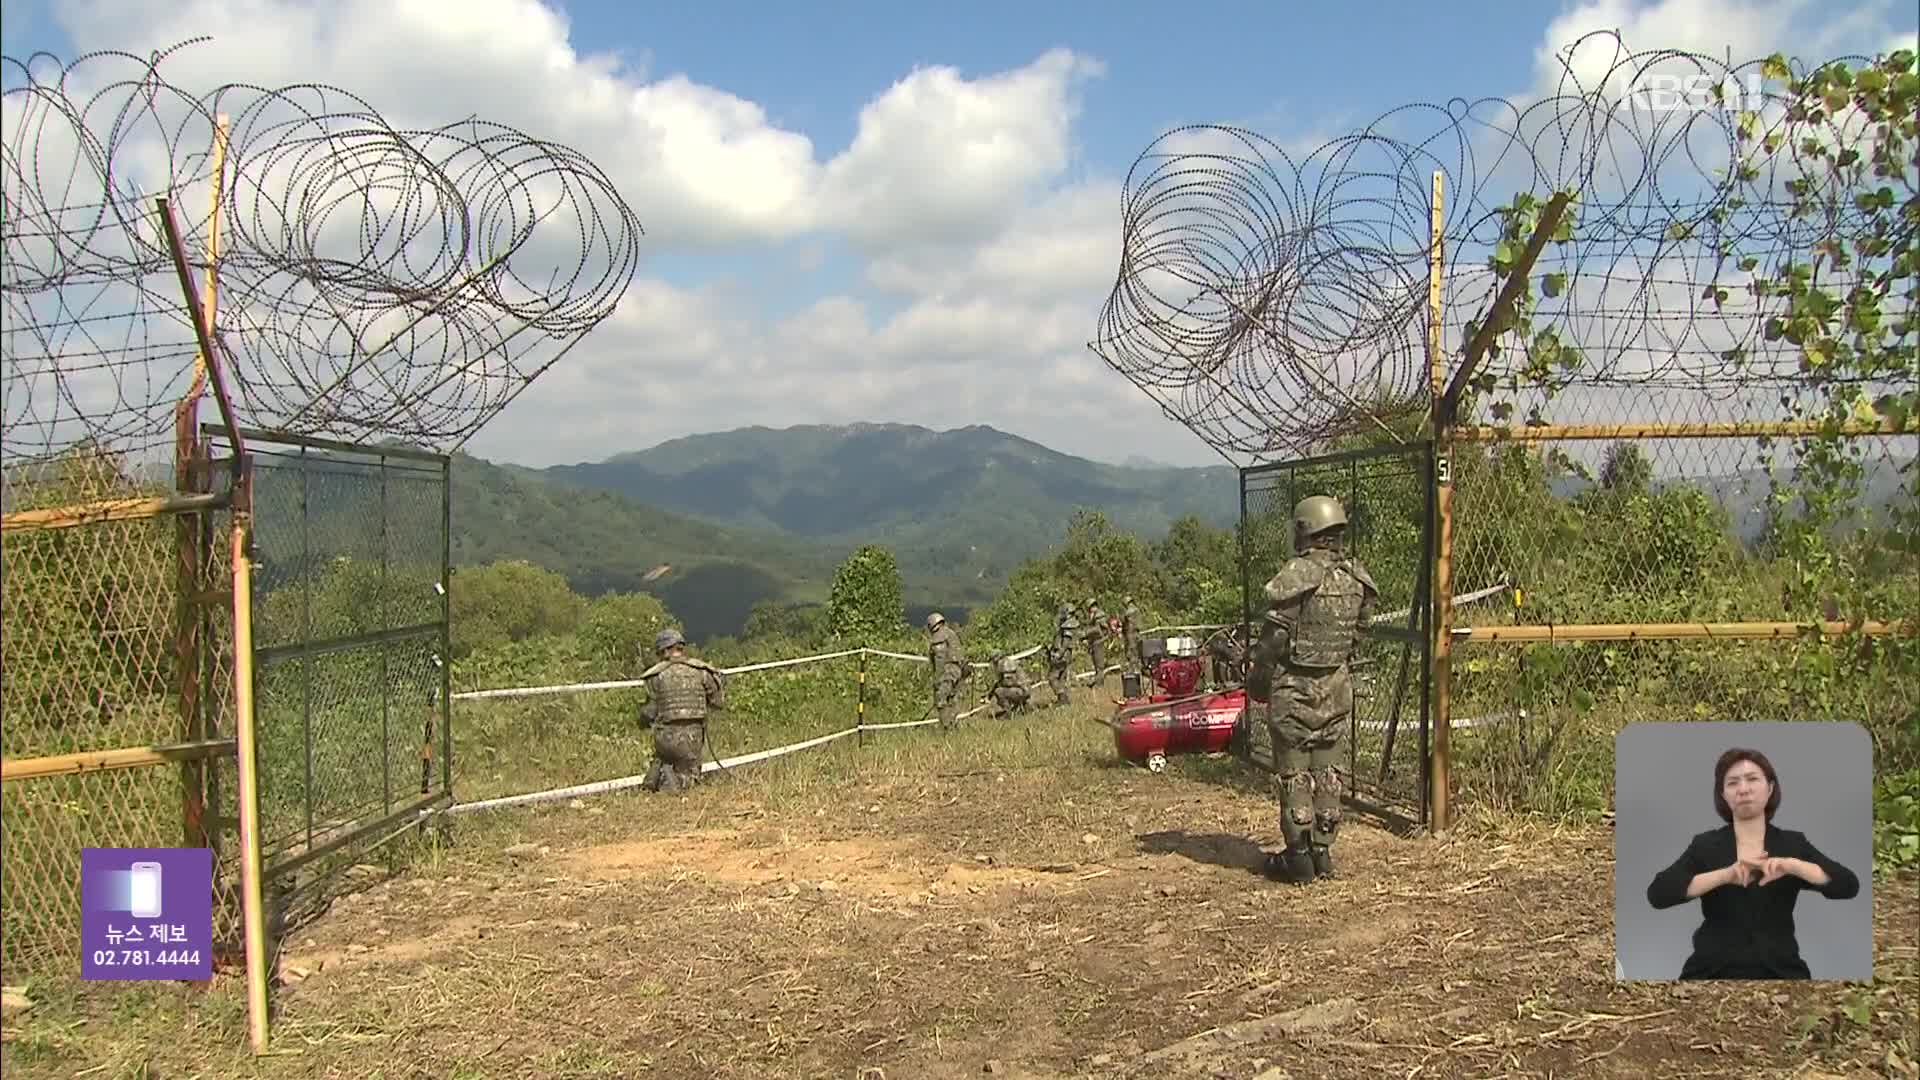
<point x="1747" y="874"/>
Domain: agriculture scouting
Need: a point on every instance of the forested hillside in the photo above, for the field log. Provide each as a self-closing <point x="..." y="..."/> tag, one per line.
<point x="959" y="508"/>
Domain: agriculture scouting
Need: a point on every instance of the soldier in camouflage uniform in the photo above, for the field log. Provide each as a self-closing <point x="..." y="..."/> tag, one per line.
<point x="1316" y="607"/>
<point x="1060" y="654"/>
<point x="1130" y="634"/>
<point x="949" y="668"/>
<point x="1228" y="658"/>
<point x="681" y="689"/>
<point x="1095" y="635"/>
<point x="1010" y="692"/>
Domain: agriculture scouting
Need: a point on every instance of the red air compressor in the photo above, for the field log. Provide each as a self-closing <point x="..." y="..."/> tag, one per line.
<point x="1176" y="716"/>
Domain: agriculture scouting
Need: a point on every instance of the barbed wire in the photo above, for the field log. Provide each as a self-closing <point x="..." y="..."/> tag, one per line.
<point x="1273" y="300"/>
<point x="373" y="281"/>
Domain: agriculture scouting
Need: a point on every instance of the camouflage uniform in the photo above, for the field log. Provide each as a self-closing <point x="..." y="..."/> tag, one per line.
<point x="1317" y="606"/>
<point x="1010" y="691"/>
<point x="1060" y="654"/>
<point x="1130" y="635"/>
<point x="1095" y="635"/>
<point x="681" y="689"/>
<point x="949" y="668"/>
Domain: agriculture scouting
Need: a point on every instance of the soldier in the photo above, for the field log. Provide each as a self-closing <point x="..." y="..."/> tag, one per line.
<point x="1130" y="634"/>
<point x="949" y="667"/>
<point x="1095" y="635"/>
<point x="1060" y="654"/>
<point x="1227" y="657"/>
<point x="1010" y="692"/>
<point x="681" y="689"/>
<point x="1316" y="607"/>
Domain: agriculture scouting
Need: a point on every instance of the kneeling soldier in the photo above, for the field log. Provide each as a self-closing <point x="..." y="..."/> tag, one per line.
<point x="1010" y="692"/>
<point x="681" y="689"/>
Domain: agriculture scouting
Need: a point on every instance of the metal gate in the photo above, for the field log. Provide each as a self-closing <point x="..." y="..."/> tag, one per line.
<point x="1388" y="494"/>
<point x="350" y="646"/>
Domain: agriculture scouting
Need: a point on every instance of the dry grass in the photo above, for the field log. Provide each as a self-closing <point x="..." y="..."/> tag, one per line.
<point x="1007" y="901"/>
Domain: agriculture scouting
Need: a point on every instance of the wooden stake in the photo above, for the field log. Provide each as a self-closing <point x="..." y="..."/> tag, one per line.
<point x="253" y="915"/>
<point x="1724" y="631"/>
<point x="1775" y="429"/>
<point x="130" y="757"/>
<point x="190" y="479"/>
<point x="134" y="509"/>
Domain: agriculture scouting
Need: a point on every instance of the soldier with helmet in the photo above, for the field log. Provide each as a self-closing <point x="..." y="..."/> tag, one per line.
<point x="1010" y="692"/>
<point x="1060" y="654"/>
<point x="681" y="690"/>
<point x="949" y="667"/>
<point x="1095" y="635"/>
<point x="1317" y="606"/>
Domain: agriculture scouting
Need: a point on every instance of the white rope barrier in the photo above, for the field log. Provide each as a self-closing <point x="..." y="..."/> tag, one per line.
<point x="769" y="665"/>
<point x="765" y="755"/>
<point x="625" y="684"/>
<point x="603" y="787"/>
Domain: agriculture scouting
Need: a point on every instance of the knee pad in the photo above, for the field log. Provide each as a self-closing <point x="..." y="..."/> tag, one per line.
<point x="1301" y="816"/>
<point x="1326" y="821"/>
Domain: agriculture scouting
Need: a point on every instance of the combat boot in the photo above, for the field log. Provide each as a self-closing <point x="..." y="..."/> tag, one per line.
<point x="1292" y="866"/>
<point x="1322" y="861"/>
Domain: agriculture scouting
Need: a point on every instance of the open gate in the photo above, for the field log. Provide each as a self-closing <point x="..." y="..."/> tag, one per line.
<point x="1388" y="495"/>
<point x="350" y="646"/>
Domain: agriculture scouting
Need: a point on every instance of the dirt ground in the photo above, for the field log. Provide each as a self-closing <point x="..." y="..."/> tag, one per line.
<point x="1020" y="923"/>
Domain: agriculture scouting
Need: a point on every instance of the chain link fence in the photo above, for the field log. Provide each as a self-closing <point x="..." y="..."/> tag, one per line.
<point x="350" y="646"/>
<point x="1670" y="571"/>
<point x="1386" y="493"/>
<point x="117" y="643"/>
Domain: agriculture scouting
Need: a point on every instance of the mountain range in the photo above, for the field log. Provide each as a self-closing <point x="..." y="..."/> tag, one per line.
<point x="762" y="514"/>
<point x="759" y="514"/>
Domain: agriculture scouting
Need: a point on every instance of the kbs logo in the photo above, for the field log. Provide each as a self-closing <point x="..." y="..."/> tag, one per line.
<point x="1699" y="92"/>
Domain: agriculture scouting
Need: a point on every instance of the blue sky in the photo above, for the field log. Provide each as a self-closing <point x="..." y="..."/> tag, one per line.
<point x="792" y="274"/>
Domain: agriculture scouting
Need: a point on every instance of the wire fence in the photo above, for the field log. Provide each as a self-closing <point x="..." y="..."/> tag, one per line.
<point x="116" y="641"/>
<point x="351" y="631"/>
<point x="312" y="270"/>
<point x="1673" y="578"/>
<point x="1386" y="493"/>
<point x="1664" y="352"/>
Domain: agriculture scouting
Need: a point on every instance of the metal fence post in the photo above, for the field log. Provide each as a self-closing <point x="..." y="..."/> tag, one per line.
<point x="860" y="706"/>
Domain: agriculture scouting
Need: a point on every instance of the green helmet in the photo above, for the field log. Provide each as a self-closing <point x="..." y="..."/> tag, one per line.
<point x="667" y="639"/>
<point x="1316" y="514"/>
<point x="935" y="619"/>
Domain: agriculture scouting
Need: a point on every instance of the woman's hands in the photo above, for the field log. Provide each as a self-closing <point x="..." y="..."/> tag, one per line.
<point x="1764" y="870"/>
<point x="1748" y="871"/>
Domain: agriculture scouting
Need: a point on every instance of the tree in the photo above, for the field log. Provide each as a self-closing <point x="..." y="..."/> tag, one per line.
<point x="1100" y="561"/>
<point x="806" y="623"/>
<point x="865" y="602"/>
<point x="508" y="601"/>
<point x="1195" y="560"/>
<point x="1626" y="468"/>
<point x="617" y="629"/>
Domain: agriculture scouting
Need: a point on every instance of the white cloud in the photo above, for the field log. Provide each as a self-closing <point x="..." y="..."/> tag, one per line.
<point x="954" y="189"/>
<point x="985" y="259"/>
